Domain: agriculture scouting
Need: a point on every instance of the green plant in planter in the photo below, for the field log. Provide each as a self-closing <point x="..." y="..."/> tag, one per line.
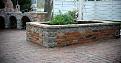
<point x="63" y="19"/>
<point x="72" y="13"/>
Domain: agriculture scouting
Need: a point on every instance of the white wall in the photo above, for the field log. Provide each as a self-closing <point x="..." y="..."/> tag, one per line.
<point x="63" y="6"/>
<point x="104" y="10"/>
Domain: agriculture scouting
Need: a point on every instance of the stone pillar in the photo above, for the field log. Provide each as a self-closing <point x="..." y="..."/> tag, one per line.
<point x="7" y="21"/>
<point x="19" y="23"/>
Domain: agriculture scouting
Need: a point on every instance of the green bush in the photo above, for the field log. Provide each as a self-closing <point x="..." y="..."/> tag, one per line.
<point x="63" y="19"/>
<point x="72" y="13"/>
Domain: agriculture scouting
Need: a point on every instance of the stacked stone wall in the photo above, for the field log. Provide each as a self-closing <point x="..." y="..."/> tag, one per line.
<point x="62" y="36"/>
<point x="33" y="16"/>
<point x="34" y="34"/>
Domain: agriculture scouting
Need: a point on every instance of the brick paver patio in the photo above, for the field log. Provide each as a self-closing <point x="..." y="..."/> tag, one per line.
<point x="15" y="49"/>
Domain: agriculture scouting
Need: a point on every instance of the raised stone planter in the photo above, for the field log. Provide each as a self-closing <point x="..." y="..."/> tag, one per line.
<point x="63" y="35"/>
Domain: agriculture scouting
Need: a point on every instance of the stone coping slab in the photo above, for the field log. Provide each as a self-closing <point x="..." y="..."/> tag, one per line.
<point x="45" y="25"/>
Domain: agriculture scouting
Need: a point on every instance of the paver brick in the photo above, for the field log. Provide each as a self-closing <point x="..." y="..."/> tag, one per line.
<point x="15" y="49"/>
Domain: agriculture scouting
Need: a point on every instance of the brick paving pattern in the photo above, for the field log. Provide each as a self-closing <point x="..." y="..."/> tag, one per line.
<point x="15" y="49"/>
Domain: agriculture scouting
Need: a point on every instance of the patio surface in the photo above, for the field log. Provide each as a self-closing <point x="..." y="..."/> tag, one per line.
<point x="15" y="49"/>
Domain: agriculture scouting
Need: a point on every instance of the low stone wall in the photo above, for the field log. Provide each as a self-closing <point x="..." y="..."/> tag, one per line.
<point x="37" y="16"/>
<point x="32" y="16"/>
<point x="63" y="35"/>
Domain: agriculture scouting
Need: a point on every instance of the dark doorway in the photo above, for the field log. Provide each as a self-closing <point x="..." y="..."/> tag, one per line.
<point x="13" y="22"/>
<point x="24" y="20"/>
<point x="2" y="23"/>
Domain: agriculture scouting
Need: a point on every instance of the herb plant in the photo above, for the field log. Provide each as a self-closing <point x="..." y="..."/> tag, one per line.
<point x="63" y="19"/>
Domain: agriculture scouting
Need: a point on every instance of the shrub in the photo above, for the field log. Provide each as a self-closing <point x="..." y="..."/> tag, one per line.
<point x="63" y="19"/>
<point x="73" y="14"/>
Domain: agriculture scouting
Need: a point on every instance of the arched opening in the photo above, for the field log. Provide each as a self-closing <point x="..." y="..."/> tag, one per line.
<point x="13" y="22"/>
<point x="2" y="23"/>
<point x="2" y="5"/>
<point x="24" y="20"/>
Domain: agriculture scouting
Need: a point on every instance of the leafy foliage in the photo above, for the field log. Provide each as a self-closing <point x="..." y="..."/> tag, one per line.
<point x="73" y="14"/>
<point x="40" y="4"/>
<point x="25" y="4"/>
<point x="63" y="19"/>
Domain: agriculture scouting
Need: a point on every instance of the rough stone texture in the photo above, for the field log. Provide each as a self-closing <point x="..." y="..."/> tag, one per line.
<point x="9" y="11"/>
<point x="33" y="16"/>
<point x="63" y="35"/>
<point x="90" y="35"/>
<point x="15" y="49"/>
<point x="35" y="37"/>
